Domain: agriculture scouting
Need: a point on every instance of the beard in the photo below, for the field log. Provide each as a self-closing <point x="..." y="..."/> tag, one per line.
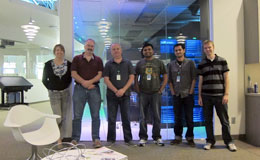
<point x="90" y="50"/>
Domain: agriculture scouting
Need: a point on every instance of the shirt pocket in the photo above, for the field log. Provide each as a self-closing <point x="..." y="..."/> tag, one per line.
<point x="174" y="73"/>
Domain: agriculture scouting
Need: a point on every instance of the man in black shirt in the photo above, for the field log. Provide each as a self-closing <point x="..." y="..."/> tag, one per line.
<point x="118" y="76"/>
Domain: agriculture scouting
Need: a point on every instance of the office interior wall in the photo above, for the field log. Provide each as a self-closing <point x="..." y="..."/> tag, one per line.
<point x="228" y="35"/>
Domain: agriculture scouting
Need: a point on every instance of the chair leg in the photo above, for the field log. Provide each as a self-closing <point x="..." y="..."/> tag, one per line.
<point x="34" y="155"/>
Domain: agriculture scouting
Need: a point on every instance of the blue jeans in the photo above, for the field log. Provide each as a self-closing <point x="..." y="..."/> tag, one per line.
<point x="82" y="95"/>
<point x="112" y="107"/>
<point x="185" y="104"/>
<point x="222" y="111"/>
<point x="154" y="101"/>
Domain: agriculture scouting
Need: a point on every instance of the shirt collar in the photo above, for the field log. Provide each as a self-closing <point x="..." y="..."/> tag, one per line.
<point x="215" y="59"/>
<point x="185" y="59"/>
<point x="120" y="62"/>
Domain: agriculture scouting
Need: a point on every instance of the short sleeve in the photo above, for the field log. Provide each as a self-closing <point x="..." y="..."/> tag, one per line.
<point x="193" y="70"/>
<point x="162" y="68"/>
<point x="225" y="66"/>
<point x="130" y="68"/>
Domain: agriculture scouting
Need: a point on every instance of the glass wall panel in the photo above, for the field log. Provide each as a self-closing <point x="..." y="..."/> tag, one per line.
<point x="162" y="23"/>
<point x="14" y="65"/>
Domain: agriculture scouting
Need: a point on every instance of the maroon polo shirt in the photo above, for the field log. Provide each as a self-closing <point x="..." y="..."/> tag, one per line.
<point x="87" y="70"/>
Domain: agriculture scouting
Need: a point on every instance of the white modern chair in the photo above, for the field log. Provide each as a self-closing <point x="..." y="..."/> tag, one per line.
<point x="34" y="127"/>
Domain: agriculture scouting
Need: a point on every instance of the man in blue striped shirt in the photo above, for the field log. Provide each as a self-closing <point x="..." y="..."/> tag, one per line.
<point x="213" y="91"/>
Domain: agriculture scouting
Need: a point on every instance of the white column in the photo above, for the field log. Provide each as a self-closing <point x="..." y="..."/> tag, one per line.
<point x="65" y="11"/>
<point x="228" y="36"/>
<point x="67" y="27"/>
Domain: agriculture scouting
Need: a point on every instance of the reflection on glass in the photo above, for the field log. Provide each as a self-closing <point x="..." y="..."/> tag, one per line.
<point x="14" y="65"/>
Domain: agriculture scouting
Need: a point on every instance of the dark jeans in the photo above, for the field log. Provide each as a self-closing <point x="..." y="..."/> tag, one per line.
<point x="112" y="107"/>
<point x="82" y="95"/>
<point x="154" y="101"/>
<point x="222" y="111"/>
<point x="185" y="104"/>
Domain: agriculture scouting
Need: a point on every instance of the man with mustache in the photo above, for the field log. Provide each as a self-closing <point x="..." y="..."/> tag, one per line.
<point x="87" y="70"/>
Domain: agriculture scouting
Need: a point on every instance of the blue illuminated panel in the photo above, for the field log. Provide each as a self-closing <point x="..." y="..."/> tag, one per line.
<point x="166" y="45"/>
<point x="167" y="115"/>
<point x="193" y="48"/>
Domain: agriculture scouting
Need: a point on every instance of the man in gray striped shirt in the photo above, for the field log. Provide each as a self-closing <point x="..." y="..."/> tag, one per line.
<point x="213" y="91"/>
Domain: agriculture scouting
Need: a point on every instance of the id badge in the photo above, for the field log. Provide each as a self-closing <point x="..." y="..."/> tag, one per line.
<point x="118" y="77"/>
<point x="178" y="78"/>
<point x="149" y="77"/>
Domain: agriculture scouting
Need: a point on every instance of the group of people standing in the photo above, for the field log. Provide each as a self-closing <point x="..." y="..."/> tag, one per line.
<point x="150" y="77"/>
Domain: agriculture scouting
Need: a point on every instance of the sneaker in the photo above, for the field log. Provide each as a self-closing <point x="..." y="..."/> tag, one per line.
<point x="159" y="142"/>
<point x="74" y="142"/>
<point x="176" y="141"/>
<point x="130" y="143"/>
<point x="142" y="142"/>
<point x="207" y="146"/>
<point x="232" y="147"/>
<point x="97" y="143"/>
<point x="191" y="143"/>
<point x="110" y="143"/>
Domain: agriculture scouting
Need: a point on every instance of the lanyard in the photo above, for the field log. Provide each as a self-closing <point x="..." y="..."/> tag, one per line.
<point x="179" y="68"/>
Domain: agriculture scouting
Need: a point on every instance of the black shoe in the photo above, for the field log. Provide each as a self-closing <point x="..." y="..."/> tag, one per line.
<point x="191" y="143"/>
<point x="176" y="141"/>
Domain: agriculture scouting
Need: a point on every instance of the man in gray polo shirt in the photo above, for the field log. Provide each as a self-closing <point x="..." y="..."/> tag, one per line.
<point x="182" y="79"/>
<point x="118" y="76"/>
